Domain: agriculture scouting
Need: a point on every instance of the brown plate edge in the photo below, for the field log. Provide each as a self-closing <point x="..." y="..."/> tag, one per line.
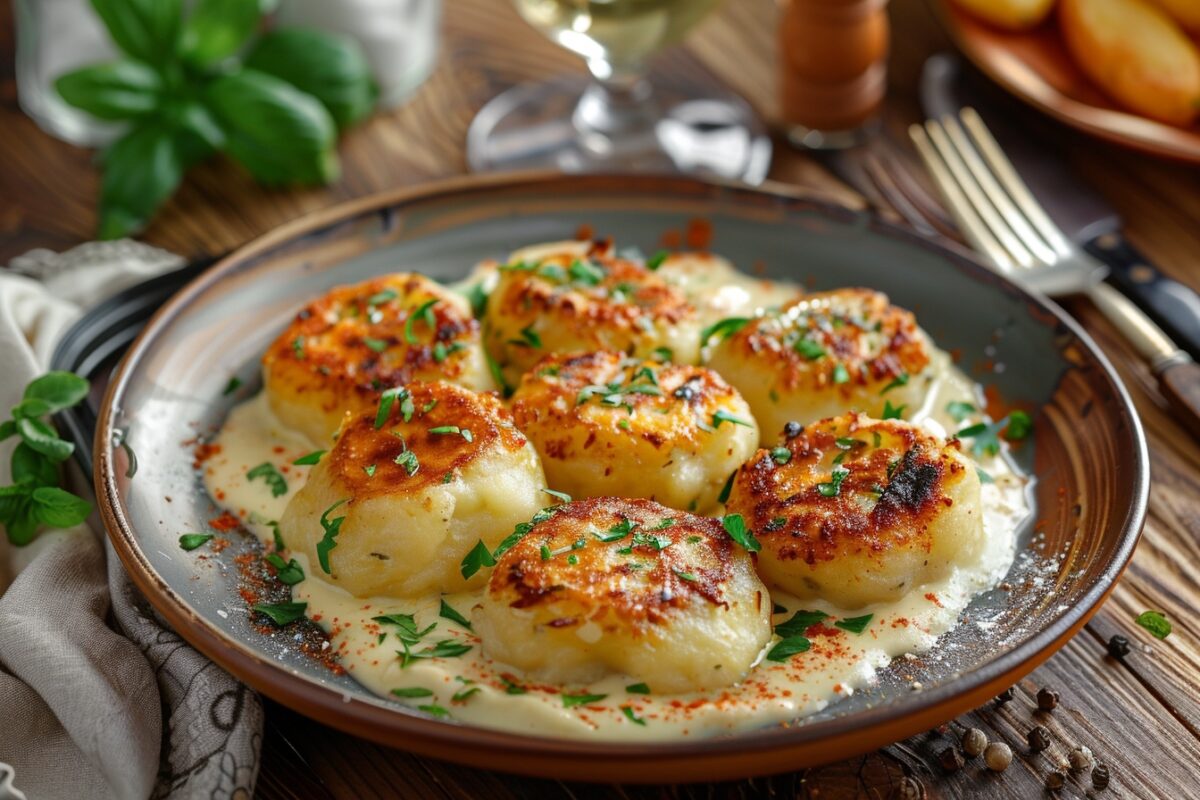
<point x="770" y="751"/>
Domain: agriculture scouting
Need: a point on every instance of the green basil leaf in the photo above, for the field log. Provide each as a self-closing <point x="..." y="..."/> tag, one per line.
<point x="31" y="468"/>
<point x="57" y="389"/>
<point x="141" y="170"/>
<point x="14" y="503"/>
<point x="23" y="527"/>
<point x="8" y="429"/>
<point x="147" y="30"/>
<point x="30" y="407"/>
<point x="59" y="508"/>
<point x="42" y="438"/>
<point x="330" y="67"/>
<point x="118" y="90"/>
<point x="217" y="28"/>
<point x="200" y="135"/>
<point x="276" y="131"/>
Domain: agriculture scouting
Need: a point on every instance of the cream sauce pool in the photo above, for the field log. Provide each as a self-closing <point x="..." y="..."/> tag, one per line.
<point x="472" y="688"/>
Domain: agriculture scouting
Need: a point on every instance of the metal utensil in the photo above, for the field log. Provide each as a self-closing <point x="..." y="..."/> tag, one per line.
<point x="1001" y="219"/>
<point x="1083" y="215"/>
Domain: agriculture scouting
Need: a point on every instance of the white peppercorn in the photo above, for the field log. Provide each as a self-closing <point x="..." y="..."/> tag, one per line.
<point x="974" y="742"/>
<point x="997" y="756"/>
<point x="1080" y="759"/>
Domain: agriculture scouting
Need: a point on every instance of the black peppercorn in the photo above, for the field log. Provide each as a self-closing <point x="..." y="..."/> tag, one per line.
<point x="792" y="430"/>
<point x="1118" y="646"/>
<point x="951" y="759"/>
<point x="1100" y="776"/>
<point x="1006" y="696"/>
<point x="1039" y="739"/>
<point x="1055" y="781"/>
<point x="1047" y="699"/>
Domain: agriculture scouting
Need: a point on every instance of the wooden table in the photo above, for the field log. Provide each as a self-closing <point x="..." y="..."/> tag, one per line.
<point x="1140" y="715"/>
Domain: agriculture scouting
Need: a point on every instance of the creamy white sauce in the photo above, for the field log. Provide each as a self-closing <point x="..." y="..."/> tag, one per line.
<point x="837" y="665"/>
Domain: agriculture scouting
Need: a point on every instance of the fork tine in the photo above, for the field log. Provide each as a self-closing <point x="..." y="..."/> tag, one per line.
<point x="972" y="227"/>
<point x="1018" y="253"/>
<point x="1012" y="182"/>
<point x="988" y="185"/>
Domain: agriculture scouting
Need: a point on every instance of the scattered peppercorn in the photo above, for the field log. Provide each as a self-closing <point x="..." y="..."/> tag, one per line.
<point x="793" y="429"/>
<point x="1055" y="781"/>
<point x="997" y="756"/>
<point x="974" y="741"/>
<point x="1118" y="646"/>
<point x="909" y="788"/>
<point x="1047" y="699"/>
<point x="1080" y="759"/>
<point x="1006" y="696"/>
<point x="1039" y="738"/>
<point x="1100" y="776"/>
<point x="951" y="759"/>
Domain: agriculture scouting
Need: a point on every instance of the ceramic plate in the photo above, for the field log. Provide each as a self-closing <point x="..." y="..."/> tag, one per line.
<point x="1036" y="67"/>
<point x="1088" y="451"/>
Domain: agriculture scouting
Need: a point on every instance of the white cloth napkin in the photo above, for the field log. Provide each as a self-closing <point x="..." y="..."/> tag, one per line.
<point x="98" y="698"/>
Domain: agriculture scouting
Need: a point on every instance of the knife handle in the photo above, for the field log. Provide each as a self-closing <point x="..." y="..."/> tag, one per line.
<point x="1175" y="307"/>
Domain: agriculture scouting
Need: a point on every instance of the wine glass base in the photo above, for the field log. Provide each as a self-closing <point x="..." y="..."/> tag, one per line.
<point x="713" y="133"/>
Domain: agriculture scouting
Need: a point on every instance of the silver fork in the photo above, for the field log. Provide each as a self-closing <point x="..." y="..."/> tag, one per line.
<point x="999" y="216"/>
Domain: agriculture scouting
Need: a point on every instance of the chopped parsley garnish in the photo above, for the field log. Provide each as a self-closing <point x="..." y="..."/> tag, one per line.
<point x="298" y="347"/>
<point x="638" y="688"/>
<point x="498" y="375"/>
<point x="309" y="460"/>
<point x="800" y="622"/>
<point x="585" y="272"/>
<point x="616" y="532"/>
<point x="407" y="460"/>
<point x="430" y="406"/>
<point x="834" y="487"/>
<point x="1016" y="425"/>
<point x="840" y="373"/>
<point x="665" y="523"/>
<point x="289" y="573"/>
<point x="809" y="349"/>
<point x="449" y="476"/>
<point x="655" y="261"/>
<point x="387" y="399"/>
<point x="664" y="354"/>
<point x="407" y="626"/>
<point x="727" y="489"/>
<point x="279" y="545"/>
<point x="412" y="691"/>
<point x="631" y="716"/>
<point x="442" y="351"/>
<point x="332" y="528"/>
<point x="460" y="697"/>
<point x="190" y="541"/>
<point x="446" y="648"/>
<point x="378" y="345"/>
<point x="512" y="688"/>
<point x="723" y="328"/>
<point x="546" y="554"/>
<point x="477" y="297"/>
<point x="735" y="526"/>
<point x="898" y="381"/>
<point x="776" y="523"/>
<point x="776" y="608"/>
<point x="379" y="298"/>
<point x="686" y="576"/>
<point x="272" y="476"/>
<point x="659" y="543"/>
<point x="234" y="384"/>
<point x="561" y="497"/>
<point x="893" y="412"/>
<point x="1019" y="426"/>
<point x="572" y="700"/>
<point x="479" y="557"/>
<point x="984" y="476"/>
<point x="281" y="613"/>
<point x="789" y="647"/>
<point x="722" y="415"/>
<point x="448" y="611"/>
<point x="370" y="470"/>
<point x="424" y="312"/>
<point x="435" y="710"/>
<point x="855" y="624"/>
<point x="1156" y="622"/>
<point x="781" y="455"/>
<point x="958" y="410"/>
<point x="445" y="429"/>
<point x="529" y="338"/>
<point x="876" y="439"/>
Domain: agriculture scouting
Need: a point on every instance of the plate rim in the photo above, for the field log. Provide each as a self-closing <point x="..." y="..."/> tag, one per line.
<point x="1038" y="99"/>
<point x="753" y="753"/>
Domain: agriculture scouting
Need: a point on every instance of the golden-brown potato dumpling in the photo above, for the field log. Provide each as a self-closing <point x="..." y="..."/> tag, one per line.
<point x="718" y="290"/>
<point x="629" y="587"/>
<point x="610" y="425"/>
<point x="343" y="349"/>
<point x="563" y="303"/>
<point x="857" y="511"/>
<point x="415" y="486"/>
<point x="823" y="355"/>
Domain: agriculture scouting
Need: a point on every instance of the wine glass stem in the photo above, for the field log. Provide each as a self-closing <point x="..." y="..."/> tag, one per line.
<point x="618" y="104"/>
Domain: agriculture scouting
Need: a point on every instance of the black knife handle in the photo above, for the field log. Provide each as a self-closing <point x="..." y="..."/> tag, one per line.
<point x="1175" y="307"/>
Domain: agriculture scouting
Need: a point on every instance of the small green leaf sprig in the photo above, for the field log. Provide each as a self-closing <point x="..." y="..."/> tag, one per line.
<point x="35" y="498"/>
<point x="189" y="87"/>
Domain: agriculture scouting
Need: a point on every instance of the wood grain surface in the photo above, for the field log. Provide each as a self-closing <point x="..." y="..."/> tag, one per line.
<point x="1140" y="715"/>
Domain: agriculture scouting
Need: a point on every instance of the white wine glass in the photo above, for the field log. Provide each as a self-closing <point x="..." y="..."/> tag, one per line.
<point x="621" y="119"/>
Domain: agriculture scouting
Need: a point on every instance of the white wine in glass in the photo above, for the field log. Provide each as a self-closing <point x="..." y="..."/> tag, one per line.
<point x="619" y="120"/>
